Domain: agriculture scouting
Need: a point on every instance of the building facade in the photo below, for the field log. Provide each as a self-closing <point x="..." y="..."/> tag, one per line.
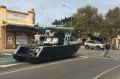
<point x="15" y="27"/>
<point x="116" y="42"/>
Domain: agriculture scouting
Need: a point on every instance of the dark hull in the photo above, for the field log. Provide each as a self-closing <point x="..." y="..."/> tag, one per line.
<point x="46" y="52"/>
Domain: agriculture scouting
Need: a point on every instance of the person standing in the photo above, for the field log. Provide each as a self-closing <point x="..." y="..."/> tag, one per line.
<point x="107" y="48"/>
<point x="37" y="38"/>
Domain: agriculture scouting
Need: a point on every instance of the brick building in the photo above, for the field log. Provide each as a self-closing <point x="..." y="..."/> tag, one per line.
<point x="15" y="27"/>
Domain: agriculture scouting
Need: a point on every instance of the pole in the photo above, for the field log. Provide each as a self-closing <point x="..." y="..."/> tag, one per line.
<point x="71" y="16"/>
<point x="70" y="11"/>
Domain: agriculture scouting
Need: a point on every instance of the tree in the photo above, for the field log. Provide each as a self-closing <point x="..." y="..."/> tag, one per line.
<point x="56" y="22"/>
<point x="87" y="21"/>
<point x="113" y="23"/>
<point x="66" y="22"/>
<point x="113" y="19"/>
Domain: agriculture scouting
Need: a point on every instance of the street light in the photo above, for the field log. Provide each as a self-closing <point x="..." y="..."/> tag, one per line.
<point x="70" y="11"/>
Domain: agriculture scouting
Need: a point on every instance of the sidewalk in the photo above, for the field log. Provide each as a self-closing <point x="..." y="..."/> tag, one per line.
<point x="6" y="52"/>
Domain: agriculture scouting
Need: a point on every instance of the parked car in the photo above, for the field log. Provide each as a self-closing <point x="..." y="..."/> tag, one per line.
<point x="92" y="44"/>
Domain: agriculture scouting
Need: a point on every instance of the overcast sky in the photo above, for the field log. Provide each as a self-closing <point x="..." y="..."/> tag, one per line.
<point x="49" y="10"/>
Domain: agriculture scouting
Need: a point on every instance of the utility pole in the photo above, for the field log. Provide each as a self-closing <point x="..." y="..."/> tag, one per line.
<point x="71" y="16"/>
<point x="70" y="11"/>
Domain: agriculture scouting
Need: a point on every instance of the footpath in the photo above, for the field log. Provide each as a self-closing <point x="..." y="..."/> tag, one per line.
<point x="6" y="56"/>
<point x="6" y="52"/>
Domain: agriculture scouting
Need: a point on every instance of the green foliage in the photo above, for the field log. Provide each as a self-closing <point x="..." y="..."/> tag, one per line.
<point x="65" y="22"/>
<point x="113" y="20"/>
<point x="87" y="21"/>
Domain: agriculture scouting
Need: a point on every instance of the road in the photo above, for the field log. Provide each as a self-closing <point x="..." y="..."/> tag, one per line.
<point x="80" y="67"/>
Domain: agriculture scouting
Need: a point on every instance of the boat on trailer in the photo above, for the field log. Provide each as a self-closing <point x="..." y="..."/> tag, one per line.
<point x="48" y="51"/>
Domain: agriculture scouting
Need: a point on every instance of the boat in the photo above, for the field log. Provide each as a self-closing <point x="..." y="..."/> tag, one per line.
<point x="47" y="51"/>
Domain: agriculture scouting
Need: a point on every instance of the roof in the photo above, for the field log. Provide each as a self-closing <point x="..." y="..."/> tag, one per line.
<point x="66" y="28"/>
<point x="19" y="25"/>
<point x="19" y="28"/>
<point x="60" y="28"/>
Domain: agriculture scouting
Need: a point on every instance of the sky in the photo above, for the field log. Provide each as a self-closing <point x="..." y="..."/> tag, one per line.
<point x="48" y="10"/>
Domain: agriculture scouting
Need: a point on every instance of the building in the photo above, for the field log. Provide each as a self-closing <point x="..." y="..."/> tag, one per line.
<point x="116" y="42"/>
<point x="15" y="27"/>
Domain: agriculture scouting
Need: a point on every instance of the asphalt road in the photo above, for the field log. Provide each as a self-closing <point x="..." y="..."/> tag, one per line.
<point x="71" y="68"/>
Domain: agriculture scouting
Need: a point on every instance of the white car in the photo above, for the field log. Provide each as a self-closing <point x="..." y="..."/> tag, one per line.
<point x="92" y="44"/>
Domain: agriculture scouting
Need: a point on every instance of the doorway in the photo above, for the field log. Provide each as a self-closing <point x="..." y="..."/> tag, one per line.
<point x="10" y="40"/>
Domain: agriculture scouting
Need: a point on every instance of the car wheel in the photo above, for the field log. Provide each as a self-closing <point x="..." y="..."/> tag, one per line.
<point x="102" y="48"/>
<point x="87" y="47"/>
<point x="98" y="48"/>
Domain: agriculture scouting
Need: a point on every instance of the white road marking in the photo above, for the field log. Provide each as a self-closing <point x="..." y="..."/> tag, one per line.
<point x="6" y="54"/>
<point x="8" y="65"/>
<point x="70" y="60"/>
<point x="101" y="74"/>
<point x="83" y="56"/>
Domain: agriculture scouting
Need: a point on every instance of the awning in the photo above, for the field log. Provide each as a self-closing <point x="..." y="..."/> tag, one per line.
<point x="19" y="28"/>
